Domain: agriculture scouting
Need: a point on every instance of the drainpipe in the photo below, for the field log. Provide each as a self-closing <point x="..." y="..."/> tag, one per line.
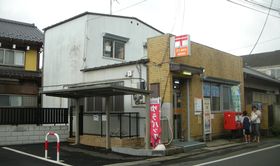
<point x="147" y="139"/>
<point x="188" y="107"/>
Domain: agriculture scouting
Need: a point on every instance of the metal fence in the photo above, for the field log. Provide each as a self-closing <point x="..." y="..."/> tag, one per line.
<point x="122" y="124"/>
<point x="16" y="116"/>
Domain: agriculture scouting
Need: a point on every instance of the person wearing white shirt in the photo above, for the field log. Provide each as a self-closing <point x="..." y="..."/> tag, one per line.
<point x="256" y="122"/>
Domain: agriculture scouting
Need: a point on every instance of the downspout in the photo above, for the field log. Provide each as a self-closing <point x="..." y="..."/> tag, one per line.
<point x="188" y="112"/>
<point x="85" y="45"/>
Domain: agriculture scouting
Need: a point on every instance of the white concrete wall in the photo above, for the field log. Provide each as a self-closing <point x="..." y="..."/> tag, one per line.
<point x="136" y="31"/>
<point x="28" y="134"/>
<point x="78" y="44"/>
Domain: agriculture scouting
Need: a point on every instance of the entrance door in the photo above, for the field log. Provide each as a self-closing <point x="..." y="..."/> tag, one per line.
<point x="177" y="109"/>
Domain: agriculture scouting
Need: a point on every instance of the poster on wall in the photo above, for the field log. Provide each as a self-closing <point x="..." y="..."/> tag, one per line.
<point x="235" y="94"/>
<point x="207" y="116"/>
<point x="197" y="106"/>
<point x="155" y="129"/>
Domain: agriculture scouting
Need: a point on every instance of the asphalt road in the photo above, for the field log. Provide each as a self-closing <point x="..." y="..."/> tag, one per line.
<point x="9" y="158"/>
<point x="75" y="155"/>
<point x="267" y="157"/>
<point x="264" y="154"/>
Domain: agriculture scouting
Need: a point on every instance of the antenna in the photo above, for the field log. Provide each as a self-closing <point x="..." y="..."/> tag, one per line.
<point x="111" y="5"/>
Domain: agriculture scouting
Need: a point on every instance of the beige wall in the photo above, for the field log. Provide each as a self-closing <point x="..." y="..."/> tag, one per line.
<point x="216" y="64"/>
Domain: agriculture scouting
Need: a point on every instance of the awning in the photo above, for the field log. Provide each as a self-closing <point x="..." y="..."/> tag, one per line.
<point x="221" y="80"/>
<point x="102" y="90"/>
<point x="180" y="68"/>
<point x="257" y="74"/>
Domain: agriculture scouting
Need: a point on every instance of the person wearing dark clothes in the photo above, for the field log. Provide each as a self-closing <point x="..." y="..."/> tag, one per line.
<point x="246" y="127"/>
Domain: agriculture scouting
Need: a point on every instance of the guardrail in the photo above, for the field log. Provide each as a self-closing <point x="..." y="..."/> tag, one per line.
<point x="16" y="116"/>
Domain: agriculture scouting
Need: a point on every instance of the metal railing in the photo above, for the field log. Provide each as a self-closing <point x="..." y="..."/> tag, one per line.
<point x="122" y="124"/>
<point x="16" y="116"/>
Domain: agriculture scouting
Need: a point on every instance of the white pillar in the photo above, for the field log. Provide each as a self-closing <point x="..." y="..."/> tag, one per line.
<point x="77" y="110"/>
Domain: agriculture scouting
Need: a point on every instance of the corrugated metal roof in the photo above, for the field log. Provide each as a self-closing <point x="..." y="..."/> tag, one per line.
<point x="262" y="59"/>
<point x="259" y="75"/>
<point x="19" y="30"/>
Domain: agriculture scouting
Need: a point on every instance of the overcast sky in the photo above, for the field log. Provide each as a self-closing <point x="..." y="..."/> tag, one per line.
<point x="216" y="23"/>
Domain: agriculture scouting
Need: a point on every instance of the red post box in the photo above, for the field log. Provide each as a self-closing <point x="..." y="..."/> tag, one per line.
<point x="232" y="120"/>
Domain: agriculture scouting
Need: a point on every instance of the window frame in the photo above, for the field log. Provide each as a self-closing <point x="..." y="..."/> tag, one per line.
<point x="3" y="63"/>
<point x="21" y="99"/>
<point x="113" y="54"/>
<point x="114" y="39"/>
<point x="221" y="92"/>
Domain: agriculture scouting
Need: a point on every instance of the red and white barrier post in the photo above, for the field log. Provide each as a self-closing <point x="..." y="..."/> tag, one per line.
<point x="57" y="145"/>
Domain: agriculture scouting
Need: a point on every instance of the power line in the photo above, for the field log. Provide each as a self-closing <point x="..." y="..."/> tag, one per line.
<point x="262" y="28"/>
<point x="135" y="4"/>
<point x="261" y="5"/>
<point x="251" y="8"/>
<point x="183" y="21"/>
<point x="247" y="46"/>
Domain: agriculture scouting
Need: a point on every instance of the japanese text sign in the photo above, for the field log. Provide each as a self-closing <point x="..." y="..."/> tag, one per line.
<point x="182" y="45"/>
<point x="155" y="129"/>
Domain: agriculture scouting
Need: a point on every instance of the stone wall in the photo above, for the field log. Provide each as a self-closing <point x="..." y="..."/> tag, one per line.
<point x="28" y="134"/>
<point x="98" y="141"/>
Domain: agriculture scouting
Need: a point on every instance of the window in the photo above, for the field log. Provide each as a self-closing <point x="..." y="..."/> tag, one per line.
<point x="227" y="98"/>
<point x="275" y="73"/>
<point x="18" y="101"/>
<point x="114" y="46"/>
<point x="215" y="97"/>
<point x="97" y="104"/>
<point x="11" y="57"/>
<point x="223" y="97"/>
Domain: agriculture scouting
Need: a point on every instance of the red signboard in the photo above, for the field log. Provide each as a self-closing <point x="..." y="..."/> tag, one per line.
<point x="182" y="45"/>
<point x="155" y="129"/>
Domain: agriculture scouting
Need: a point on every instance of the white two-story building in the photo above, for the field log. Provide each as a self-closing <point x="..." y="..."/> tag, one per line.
<point x="99" y="49"/>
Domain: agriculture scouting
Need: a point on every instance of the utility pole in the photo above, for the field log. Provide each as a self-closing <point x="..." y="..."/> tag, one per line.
<point x="110" y="7"/>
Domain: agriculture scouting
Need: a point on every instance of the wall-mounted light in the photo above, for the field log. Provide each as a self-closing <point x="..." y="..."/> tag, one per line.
<point x="14" y="46"/>
<point x="176" y="82"/>
<point x="187" y="73"/>
<point x="28" y="48"/>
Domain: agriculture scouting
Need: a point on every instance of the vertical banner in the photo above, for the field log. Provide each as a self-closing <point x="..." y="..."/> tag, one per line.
<point x="182" y="45"/>
<point x="207" y="115"/>
<point x="155" y="129"/>
<point x="235" y="95"/>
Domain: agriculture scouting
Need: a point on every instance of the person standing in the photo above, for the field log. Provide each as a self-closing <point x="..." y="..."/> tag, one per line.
<point x="256" y="123"/>
<point x="246" y="127"/>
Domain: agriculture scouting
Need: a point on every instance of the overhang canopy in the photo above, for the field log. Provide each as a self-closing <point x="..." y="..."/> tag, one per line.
<point x="257" y="74"/>
<point x="221" y="80"/>
<point x="101" y="90"/>
<point x="178" y="67"/>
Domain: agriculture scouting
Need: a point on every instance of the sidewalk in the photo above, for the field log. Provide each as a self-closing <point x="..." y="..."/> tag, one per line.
<point x="179" y="147"/>
<point x="208" y="146"/>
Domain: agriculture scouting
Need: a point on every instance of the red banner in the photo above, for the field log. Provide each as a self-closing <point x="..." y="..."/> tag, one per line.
<point x="155" y="129"/>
